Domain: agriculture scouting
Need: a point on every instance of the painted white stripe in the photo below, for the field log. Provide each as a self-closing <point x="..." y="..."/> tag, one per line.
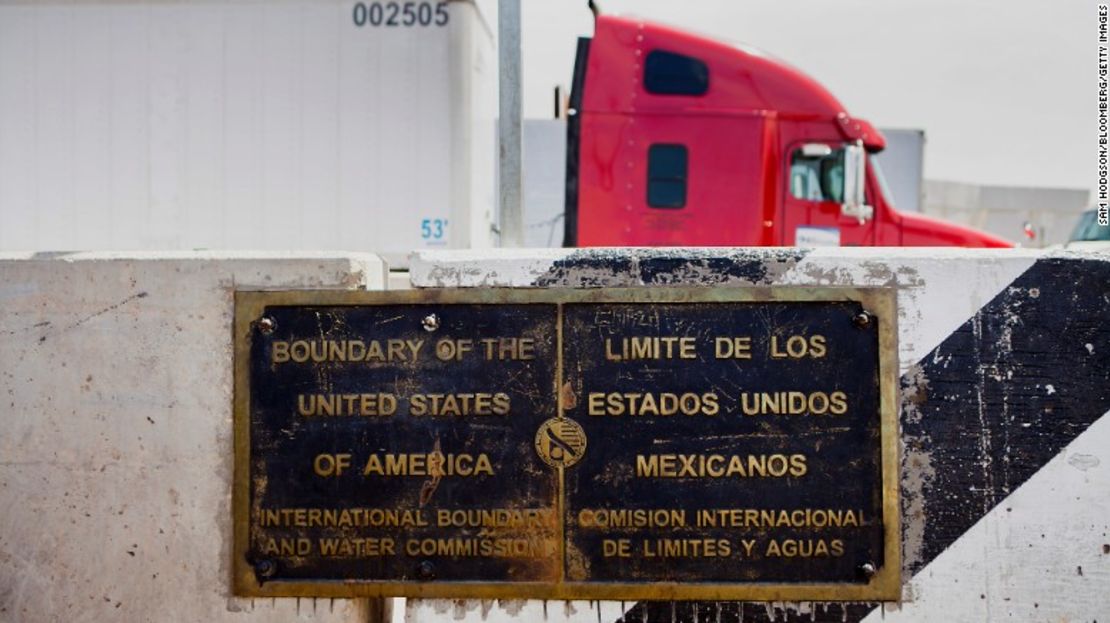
<point x="938" y="289"/>
<point x="1043" y="554"/>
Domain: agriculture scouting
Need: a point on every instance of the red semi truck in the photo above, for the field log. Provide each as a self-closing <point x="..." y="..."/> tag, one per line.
<point x="678" y="140"/>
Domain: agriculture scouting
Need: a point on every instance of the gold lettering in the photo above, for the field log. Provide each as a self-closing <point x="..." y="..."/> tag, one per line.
<point x="356" y="547"/>
<point x="718" y="471"/>
<point x="346" y="404"/>
<point x="709" y="404"/>
<point x="462" y="404"/>
<point x="686" y="548"/>
<point x="299" y="351"/>
<point x="374" y="352"/>
<point x="667" y="466"/>
<point x="798" y="465"/>
<point x="713" y="466"/>
<point x="501" y="404"/>
<point x="605" y="518"/>
<point x="804" y="548"/>
<point x="609" y="354"/>
<point x="331" y="464"/>
<point x="620" y="548"/>
<point x="687" y="348"/>
<point x="448" y="349"/>
<point x="798" y="346"/>
<point x="651" y="404"/>
<point x="482" y="547"/>
<point x="373" y="466"/>
<point x="279" y="352"/>
<point x="414" y="348"/>
<point x="651" y="347"/>
<point x="428" y="464"/>
<point x="396" y="350"/>
<point x="513" y="348"/>
<point x="483" y="466"/>
<point x="817" y="347"/>
<point x="500" y="518"/>
<point x="337" y="351"/>
<point x="793" y="403"/>
<point x="732" y="348"/>
<point x="287" y="547"/>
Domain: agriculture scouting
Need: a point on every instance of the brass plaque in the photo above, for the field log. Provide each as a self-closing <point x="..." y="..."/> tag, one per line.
<point x="624" y="444"/>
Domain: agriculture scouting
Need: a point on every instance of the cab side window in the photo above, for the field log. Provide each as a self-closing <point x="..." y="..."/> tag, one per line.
<point x="667" y="169"/>
<point x="668" y="73"/>
<point x="817" y="177"/>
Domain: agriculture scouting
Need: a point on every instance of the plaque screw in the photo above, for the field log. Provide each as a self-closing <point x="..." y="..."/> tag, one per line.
<point x="867" y="570"/>
<point x="425" y="570"/>
<point x="430" y="322"/>
<point x="265" y="568"/>
<point x="862" y="320"/>
<point x="266" y="325"/>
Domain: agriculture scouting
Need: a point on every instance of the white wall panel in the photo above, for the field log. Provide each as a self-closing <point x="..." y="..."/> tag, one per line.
<point x="129" y="157"/>
<point x="53" y="155"/>
<point x="236" y="124"/>
<point x="205" y="177"/>
<point x="115" y="504"/>
<point x="17" y="131"/>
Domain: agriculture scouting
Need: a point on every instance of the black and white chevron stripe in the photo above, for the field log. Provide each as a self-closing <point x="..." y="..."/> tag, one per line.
<point x="1005" y="360"/>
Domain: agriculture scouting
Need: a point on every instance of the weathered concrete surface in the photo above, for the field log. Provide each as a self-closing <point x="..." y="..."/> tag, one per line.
<point x="1005" y="364"/>
<point x="115" y="401"/>
<point x="116" y="443"/>
<point x="921" y="276"/>
<point x="1043" y="553"/>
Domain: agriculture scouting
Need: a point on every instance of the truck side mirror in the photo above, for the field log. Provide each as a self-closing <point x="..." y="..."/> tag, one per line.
<point x="855" y="205"/>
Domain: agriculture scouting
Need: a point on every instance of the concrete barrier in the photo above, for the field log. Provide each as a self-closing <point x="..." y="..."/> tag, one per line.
<point x="116" y="454"/>
<point x="116" y="439"/>
<point x="1005" y="365"/>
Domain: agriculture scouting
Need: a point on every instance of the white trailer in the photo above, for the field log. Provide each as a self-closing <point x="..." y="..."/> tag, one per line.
<point x="285" y="125"/>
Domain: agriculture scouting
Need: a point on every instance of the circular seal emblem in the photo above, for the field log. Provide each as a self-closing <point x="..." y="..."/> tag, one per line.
<point x="560" y="442"/>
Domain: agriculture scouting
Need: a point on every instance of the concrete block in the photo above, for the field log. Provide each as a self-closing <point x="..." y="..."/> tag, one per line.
<point x="1004" y="421"/>
<point x="116" y="445"/>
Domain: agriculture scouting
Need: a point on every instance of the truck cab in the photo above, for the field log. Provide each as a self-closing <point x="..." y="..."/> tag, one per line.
<point x="679" y="140"/>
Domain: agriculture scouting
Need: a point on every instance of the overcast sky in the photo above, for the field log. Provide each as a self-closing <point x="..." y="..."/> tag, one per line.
<point x="1005" y="90"/>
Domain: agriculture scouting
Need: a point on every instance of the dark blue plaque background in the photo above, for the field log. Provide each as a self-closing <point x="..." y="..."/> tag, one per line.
<point x="284" y="444"/>
<point x="844" y="465"/>
<point x="843" y="452"/>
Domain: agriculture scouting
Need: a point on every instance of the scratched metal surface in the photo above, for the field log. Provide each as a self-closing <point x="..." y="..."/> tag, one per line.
<point x="843" y="451"/>
<point x="283" y="444"/>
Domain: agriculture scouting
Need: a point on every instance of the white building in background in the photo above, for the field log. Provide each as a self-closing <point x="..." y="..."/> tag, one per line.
<point x="1004" y="210"/>
<point x="266" y="125"/>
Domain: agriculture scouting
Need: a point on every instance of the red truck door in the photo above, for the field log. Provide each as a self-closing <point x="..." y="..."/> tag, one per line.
<point x="671" y="180"/>
<point x="811" y="208"/>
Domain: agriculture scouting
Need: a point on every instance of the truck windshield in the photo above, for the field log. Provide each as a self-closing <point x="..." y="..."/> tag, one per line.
<point x="873" y="162"/>
<point x="1088" y="228"/>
